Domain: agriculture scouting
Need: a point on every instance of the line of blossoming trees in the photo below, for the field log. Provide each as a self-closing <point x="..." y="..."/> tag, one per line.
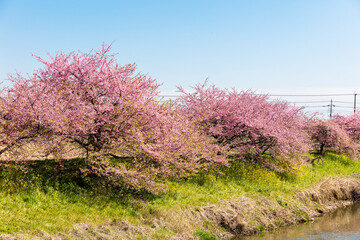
<point x="106" y="110"/>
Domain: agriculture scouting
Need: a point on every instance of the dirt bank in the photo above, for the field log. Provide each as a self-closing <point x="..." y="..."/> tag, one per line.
<point x="227" y="219"/>
<point x="249" y="215"/>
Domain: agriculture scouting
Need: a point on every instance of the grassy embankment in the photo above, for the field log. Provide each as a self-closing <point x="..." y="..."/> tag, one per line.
<point x="53" y="200"/>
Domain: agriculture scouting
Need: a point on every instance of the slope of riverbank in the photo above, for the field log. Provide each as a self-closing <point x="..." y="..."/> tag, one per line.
<point x="244" y="200"/>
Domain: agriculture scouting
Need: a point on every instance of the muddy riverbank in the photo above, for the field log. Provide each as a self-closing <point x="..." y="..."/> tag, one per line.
<point x="248" y="216"/>
<point x="341" y="224"/>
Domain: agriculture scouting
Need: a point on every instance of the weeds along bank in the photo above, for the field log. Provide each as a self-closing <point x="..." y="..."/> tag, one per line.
<point x="54" y="200"/>
<point x="104" y="128"/>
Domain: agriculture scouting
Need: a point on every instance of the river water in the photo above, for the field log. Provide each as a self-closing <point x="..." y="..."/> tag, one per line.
<point x="342" y="224"/>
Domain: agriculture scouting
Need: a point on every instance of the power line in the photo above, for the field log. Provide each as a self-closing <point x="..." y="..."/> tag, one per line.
<point x="282" y="95"/>
<point x="343" y="102"/>
<point x="316" y="106"/>
<point x="307" y="95"/>
<point x="310" y="102"/>
<point x="331" y="108"/>
<point x="343" y="106"/>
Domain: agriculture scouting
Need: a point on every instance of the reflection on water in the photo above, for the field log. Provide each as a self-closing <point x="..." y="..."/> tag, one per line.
<point x="343" y="224"/>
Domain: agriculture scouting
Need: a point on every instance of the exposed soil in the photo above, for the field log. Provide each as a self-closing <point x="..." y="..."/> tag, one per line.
<point x="247" y="216"/>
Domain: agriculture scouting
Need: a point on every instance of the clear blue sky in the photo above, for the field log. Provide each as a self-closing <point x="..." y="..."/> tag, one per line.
<point x="243" y="44"/>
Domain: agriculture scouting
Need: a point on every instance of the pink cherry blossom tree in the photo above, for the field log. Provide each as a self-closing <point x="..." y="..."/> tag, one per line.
<point x="246" y="123"/>
<point x="329" y="135"/>
<point x="106" y="110"/>
<point x="351" y="124"/>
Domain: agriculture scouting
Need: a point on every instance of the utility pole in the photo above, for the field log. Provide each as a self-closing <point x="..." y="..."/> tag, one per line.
<point x="355" y="103"/>
<point x="331" y="107"/>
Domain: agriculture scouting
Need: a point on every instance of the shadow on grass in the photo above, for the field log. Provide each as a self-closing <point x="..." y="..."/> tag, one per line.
<point x="67" y="176"/>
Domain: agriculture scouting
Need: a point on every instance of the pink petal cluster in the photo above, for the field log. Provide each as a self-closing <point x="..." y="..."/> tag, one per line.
<point x="248" y="124"/>
<point x="106" y="110"/>
<point x="329" y="135"/>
